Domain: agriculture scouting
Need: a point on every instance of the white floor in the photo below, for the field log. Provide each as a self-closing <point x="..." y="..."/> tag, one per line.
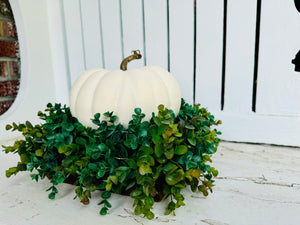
<point x="257" y="184"/>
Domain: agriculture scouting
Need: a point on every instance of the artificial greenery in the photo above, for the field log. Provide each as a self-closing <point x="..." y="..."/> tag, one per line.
<point x="148" y="160"/>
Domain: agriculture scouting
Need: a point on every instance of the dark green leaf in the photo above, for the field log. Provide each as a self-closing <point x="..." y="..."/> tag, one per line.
<point x="80" y="141"/>
<point x="93" y="166"/>
<point x="30" y="166"/>
<point x="69" y="140"/>
<point x="152" y="130"/>
<point x="107" y="204"/>
<point x="100" y="173"/>
<point x="103" y="147"/>
<point x="80" y="128"/>
<point x="158" y="150"/>
<point x="142" y="132"/>
<point x="97" y="116"/>
<point x="101" y="186"/>
<point x="8" y="127"/>
<point x="68" y="127"/>
<point x="51" y="196"/>
<point x="105" y="194"/>
<point x="103" y="211"/>
<point x="122" y="177"/>
<point x="146" y="150"/>
<point x="137" y="111"/>
<point x="131" y="163"/>
<point x="130" y="185"/>
<point x="34" y="177"/>
<point x="157" y="172"/>
<point x="59" y="138"/>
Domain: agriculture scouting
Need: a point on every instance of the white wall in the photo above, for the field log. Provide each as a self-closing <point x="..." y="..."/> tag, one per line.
<point x="37" y="85"/>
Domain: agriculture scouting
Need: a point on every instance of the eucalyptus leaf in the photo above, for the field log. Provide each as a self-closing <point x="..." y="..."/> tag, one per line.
<point x="105" y="195"/>
<point x="180" y="150"/>
<point x="131" y="163"/>
<point x="174" y="177"/>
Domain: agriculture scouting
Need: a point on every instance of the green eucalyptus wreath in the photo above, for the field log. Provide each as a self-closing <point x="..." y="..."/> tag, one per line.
<point x="148" y="161"/>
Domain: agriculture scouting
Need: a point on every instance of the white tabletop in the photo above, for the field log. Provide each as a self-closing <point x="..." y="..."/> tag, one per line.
<point x="257" y="184"/>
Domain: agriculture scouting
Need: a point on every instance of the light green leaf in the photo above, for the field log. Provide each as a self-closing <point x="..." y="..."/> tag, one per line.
<point x="144" y="169"/>
<point x="39" y="152"/>
<point x="180" y="149"/>
<point x="175" y="177"/>
<point x="170" y="153"/>
<point x="192" y="141"/>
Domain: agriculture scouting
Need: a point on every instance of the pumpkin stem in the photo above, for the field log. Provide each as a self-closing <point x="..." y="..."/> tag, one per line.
<point x="136" y="55"/>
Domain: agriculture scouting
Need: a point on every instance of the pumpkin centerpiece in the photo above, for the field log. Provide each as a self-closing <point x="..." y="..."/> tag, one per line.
<point x="149" y="161"/>
<point x="121" y="91"/>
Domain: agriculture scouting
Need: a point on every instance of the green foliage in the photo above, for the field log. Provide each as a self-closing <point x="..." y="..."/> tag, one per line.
<point x="149" y="161"/>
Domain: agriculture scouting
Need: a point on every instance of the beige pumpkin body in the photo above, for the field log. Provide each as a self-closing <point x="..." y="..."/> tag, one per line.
<point x="100" y="90"/>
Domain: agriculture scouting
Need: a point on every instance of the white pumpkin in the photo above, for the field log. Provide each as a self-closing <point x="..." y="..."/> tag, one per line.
<point x="100" y="90"/>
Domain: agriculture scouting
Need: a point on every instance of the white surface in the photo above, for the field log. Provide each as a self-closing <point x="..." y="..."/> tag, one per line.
<point x="182" y="45"/>
<point x="133" y="37"/>
<point x="209" y="54"/>
<point x="74" y="38"/>
<point x="241" y="21"/>
<point x="257" y="184"/>
<point x="61" y="70"/>
<point x="278" y="84"/>
<point x="156" y="33"/>
<point x="111" y="28"/>
<point x="92" y="36"/>
<point x="280" y="130"/>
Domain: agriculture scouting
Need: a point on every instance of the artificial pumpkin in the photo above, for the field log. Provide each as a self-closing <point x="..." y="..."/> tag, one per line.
<point x="121" y="91"/>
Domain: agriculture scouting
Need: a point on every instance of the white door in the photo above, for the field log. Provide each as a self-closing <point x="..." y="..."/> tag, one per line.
<point x="231" y="56"/>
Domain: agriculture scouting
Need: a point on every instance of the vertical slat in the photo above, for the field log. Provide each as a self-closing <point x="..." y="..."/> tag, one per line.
<point x="132" y="20"/>
<point x="156" y="33"/>
<point x="182" y="45"/>
<point x="91" y="31"/>
<point x="59" y="51"/>
<point x="241" y="23"/>
<point x="278" y="84"/>
<point x="74" y="38"/>
<point x="209" y="54"/>
<point x="256" y="54"/>
<point x="111" y="28"/>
